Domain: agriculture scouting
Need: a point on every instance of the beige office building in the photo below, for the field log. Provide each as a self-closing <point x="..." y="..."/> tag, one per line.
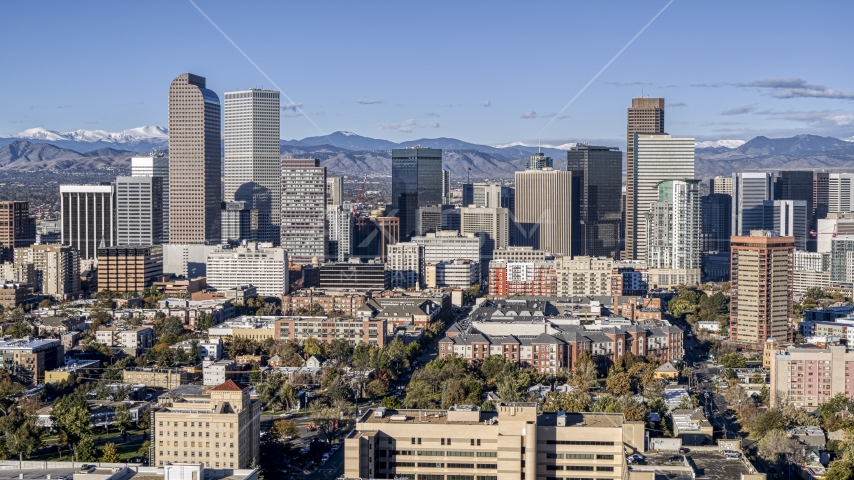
<point x="518" y="441"/>
<point x="224" y="433"/>
<point x="583" y="276"/>
<point x="646" y="115"/>
<point x="489" y="224"/>
<point x="544" y="210"/>
<point x="303" y="217"/>
<point x="195" y="170"/>
<point x="56" y="269"/>
<point x="251" y="156"/>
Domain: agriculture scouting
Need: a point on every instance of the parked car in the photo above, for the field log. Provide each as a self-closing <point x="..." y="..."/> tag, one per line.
<point x="635" y="458"/>
<point x="87" y="468"/>
<point x="285" y="415"/>
<point x="731" y="455"/>
<point x="684" y="450"/>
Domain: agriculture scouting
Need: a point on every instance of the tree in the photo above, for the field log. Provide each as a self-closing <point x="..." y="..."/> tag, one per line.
<point x="23" y="435"/>
<point x="842" y="469"/>
<point x="392" y="403"/>
<point x="122" y="418"/>
<point x="687" y="403"/>
<point x="46" y="303"/>
<point x="733" y="360"/>
<point x="772" y="419"/>
<point x="508" y="390"/>
<point x="340" y="350"/>
<point x="775" y="446"/>
<point x="144" y="449"/>
<point x="326" y="419"/>
<point x="311" y="346"/>
<point x="204" y="321"/>
<point x="284" y="430"/>
<point x="377" y="388"/>
<point x="619" y="384"/>
<point x="736" y="396"/>
<point x="19" y="330"/>
<point x="85" y="451"/>
<point x="70" y="416"/>
<point x="586" y="368"/>
<point x="109" y="454"/>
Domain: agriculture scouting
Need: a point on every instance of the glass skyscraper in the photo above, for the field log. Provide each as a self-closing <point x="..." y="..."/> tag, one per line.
<point x="597" y="174"/>
<point x="416" y="180"/>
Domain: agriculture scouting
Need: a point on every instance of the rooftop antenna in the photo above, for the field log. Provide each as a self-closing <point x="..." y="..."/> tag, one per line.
<point x="538" y="146"/>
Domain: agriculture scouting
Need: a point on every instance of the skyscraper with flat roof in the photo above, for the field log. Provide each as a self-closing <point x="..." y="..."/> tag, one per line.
<point x="657" y="157"/>
<point x="539" y="162"/>
<point x="750" y="190"/>
<point x="251" y="156"/>
<point x="597" y="174"/>
<point x="646" y="115"/>
<point x="304" y="231"/>
<point x="139" y="210"/>
<point x="416" y="180"/>
<point x="88" y="218"/>
<point x="17" y="228"/>
<point x="156" y="165"/>
<point x="546" y="210"/>
<point x="195" y="156"/>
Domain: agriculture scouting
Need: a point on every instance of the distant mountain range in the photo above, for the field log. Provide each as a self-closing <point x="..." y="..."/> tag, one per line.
<point x="349" y="153"/>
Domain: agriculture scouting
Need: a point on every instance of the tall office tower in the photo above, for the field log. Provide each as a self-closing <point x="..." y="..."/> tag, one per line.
<point x="446" y="187"/>
<point x="265" y="268"/>
<point x="716" y="217"/>
<point x="789" y="219"/>
<point x="88" y="218"/>
<point x="597" y="174"/>
<point x="373" y="235"/>
<point x="449" y="246"/>
<point x="646" y="115"/>
<point x="304" y="210"/>
<point x="546" y="217"/>
<point x="416" y="180"/>
<point x="749" y="192"/>
<point x="539" y="162"/>
<point x="798" y="185"/>
<point x="490" y="225"/>
<point x="156" y="165"/>
<point x="334" y="191"/>
<point x="251" y="156"/>
<point x="657" y="158"/>
<point x="841" y="256"/>
<point x="341" y="226"/>
<point x="56" y="269"/>
<point x="435" y="218"/>
<point x="239" y="223"/>
<point x="489" y="195"/>
<point x="404" y="264"/>
<point x="821" y="197"/>
<point x="17" y="229"/>
<point x="195" y="156"/>
<point x="720" y="184"/>
<point x="839" y="195"/>
<point x="673" y="226"/>
<point x="129" y="268"/>
<point x="139" y="210"/>
<point x="761" y="287"/>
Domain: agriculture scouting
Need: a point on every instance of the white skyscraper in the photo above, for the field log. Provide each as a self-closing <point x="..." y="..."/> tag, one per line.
<point x="404" y="264"/>
<point x="156" y="166"/>
<point x="334" y="191"/>
<point x="657" y="157"/>
<point x="264" y="268"/>
<point x="750" y="190"/>
<point x="251" y="157"/>
<point x="840" y="199"/>
<point x="304" y="228"/>
<point x="340" y="223"/>
<point x="673" y="226"/>
<point x="139" y="210"/>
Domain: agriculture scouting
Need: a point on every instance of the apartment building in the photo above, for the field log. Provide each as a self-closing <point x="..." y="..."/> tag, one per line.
<point x="522" y="254"/>
<point x="56" y="269"/>
<point x="167" y="378"/>
<point x="29" y="359"/>
<point x="254" y="328"/>
<point x="522" y="278"/>
<point x="404" y="265"/>
<point x="354" y="274"/>
<point x="211" y="349"/>
<point x="223" y="433"/>
<point x="461" y="273"/>
<point x="516" y="441"/>
<point x="449" y="245"/>
<point x="133" y="340"/>
<point x="344" y="302"/>
<point x="808" y="376"/>
<point x="583" y="276"/>
<point x="264" y="267"/>
<point x="17" y="228"/>
<point x="14" y="294"/>
<point x="326" y="329"/>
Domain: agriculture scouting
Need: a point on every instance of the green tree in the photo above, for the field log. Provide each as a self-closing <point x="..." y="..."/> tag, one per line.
<point x="391" y="403"/>
<point x="19" y="330"/>
<point x="122" y="418"/>
<point x="619" y="384"/>
<point x="86" y="451"/>
<point x="284" y="430"/>
<point x="109" y="454"/>
<point x="204" y="321"/>
<point x="733" y="360"/>
<point x="772" y="419"/>
<point x="22" y="434"/>
<point x="340" y="350"/>
<point x="46" y="303"/>
<point x="70" y="416"/>
<point x="508" y="390"/>
<point x="144" y="449"/>
<point x="377" y="388"/>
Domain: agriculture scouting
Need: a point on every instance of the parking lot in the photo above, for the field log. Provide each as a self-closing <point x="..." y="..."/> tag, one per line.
<point x="37" y="474"/>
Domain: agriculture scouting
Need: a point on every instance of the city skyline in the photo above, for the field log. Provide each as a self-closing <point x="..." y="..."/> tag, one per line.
<point x="492" y="106"/>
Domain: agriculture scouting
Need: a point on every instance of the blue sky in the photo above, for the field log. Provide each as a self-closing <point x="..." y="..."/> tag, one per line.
<point x="484" y="72"/>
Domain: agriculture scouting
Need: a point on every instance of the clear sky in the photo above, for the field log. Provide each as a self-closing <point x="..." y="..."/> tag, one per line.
<point x="485" y="72"/>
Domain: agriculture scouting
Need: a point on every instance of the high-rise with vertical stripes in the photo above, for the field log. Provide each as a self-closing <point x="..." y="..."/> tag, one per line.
<point x="646" y="115"/>
<point x="251" y="156"/>
<point x="195" y="156"/>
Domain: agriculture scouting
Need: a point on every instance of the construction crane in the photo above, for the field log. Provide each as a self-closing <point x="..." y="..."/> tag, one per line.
<point x="359" y="198"/>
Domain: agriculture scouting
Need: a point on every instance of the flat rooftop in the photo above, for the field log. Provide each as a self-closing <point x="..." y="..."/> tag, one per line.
<point x="439" y="417"/>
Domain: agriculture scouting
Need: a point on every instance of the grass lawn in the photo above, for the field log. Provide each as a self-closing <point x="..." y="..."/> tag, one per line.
<point x="127" y="449"/>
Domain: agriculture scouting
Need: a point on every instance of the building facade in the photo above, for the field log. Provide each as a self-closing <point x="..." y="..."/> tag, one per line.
<point x="156" y="166"/>
<point x="646" y="115"/>
<point x="507" y="278"/>
<point x="88" y="218"/>
<point x="251" y="156"/>
<point x="341" y="224"/>
<point x="239" y="223"/>
<point x="490" y="225"/>
<point x="597" y="173"/>
<point x="129" y="269"/>
<point x="264" y="268"/>
<point x="416" y="180"/>
<point x="195" y="156"/>
<point x="840" y="199"/>
<point x="808" y="376"/>
<point x="28" y="360"/>
<point x="461" y="273"/>
<point x="673" y="226"/>
<point x="721" y="185"/>
<point x="657" y="158"/>
<point x="750" y="190"/>
<point x="326" y="329"/>
<point x="583" y="275"/>
<point x="716" y="217"/>
<point x="547" y="214"/>
<point x="224" y="433"/>
<point x="304" y="232"/>
<point x="56" y="269"/>
<point x="334" y="191"/>
<point x="789" y="218"/>
<point x="139" y="210"/>
<point x="449" y="245"/>
<point x="354" y="274"/>
<point x="17" y="229"/>
<point x="761" y="287"/>
<point x="404" y="264"/>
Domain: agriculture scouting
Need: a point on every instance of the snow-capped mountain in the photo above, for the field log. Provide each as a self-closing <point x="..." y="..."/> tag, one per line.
<point x="565" y="146"/>
<point x="131" y="136"/>
<point x="720" y="144"/>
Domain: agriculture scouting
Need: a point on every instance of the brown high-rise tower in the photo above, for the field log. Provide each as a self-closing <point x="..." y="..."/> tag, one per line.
<point x="646" y="115"/>
<point x="195" y="153"/>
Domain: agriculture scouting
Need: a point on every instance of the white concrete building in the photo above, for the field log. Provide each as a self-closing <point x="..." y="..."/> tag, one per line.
<point x="840" y="199"/>
<point x="673" y="225"/>
<point x="209" y="349"/>
<point x="156" y="166"/>
<point x="216" y="373"/>
<point x="264" y="268"/>
<point x="460" y="273"/>
<point x="139" y="210"/>
<point x="583" y="276"/>
<point x="340" y="224"/>
<point x="490" y="224"/>
<point x="449" y="245"/>
<point x="251" y="156"/>
<point x="404" y="265"/>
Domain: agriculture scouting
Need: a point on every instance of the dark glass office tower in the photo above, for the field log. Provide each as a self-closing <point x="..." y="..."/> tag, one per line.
<point x="799" y="185"/>
<point x="416" y="180"/>
<point x="597" y="174"/>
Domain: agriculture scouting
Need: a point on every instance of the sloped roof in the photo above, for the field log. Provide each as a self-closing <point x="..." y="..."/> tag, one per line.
<point x="228" y="386"/>
<point x="667" y="368"/>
